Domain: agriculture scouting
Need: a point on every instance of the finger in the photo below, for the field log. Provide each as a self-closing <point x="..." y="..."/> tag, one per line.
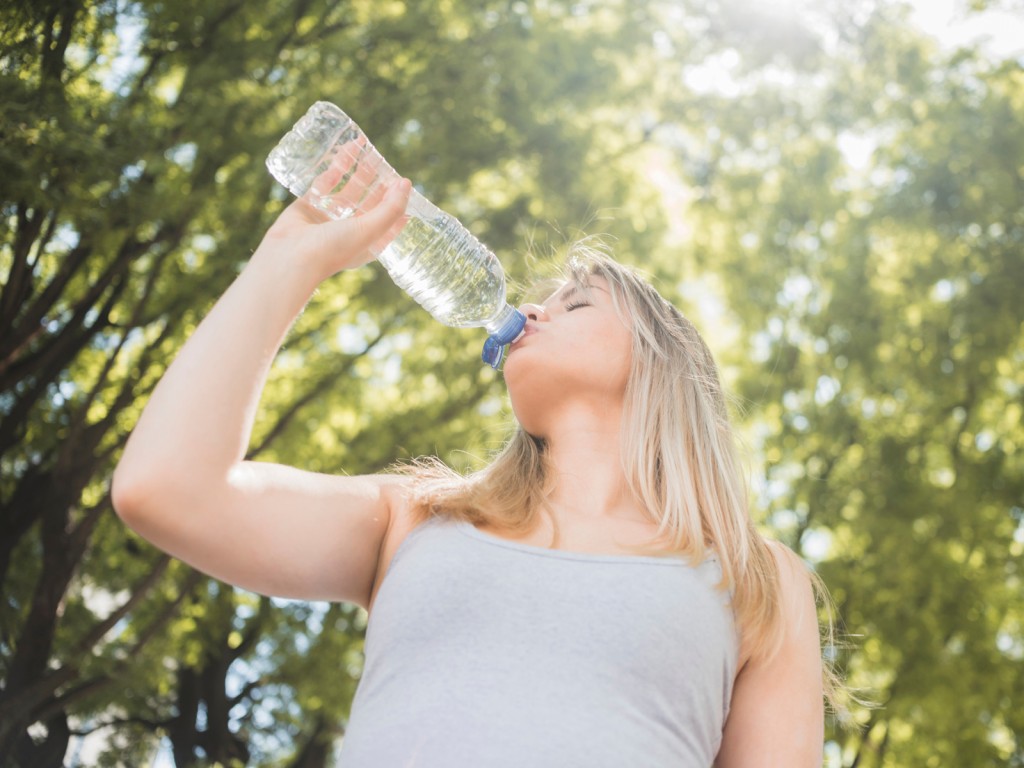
<point x="326" y="182"/>
<point x="369" y="181"/>
<point x="390" y="234"/>
<point x="343" y="164"/>
<point x="385" y="218"/>
<point x="374" y="196"/>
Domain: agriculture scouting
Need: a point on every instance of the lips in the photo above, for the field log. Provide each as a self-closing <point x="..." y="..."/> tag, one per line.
<point x="529" y="330"/>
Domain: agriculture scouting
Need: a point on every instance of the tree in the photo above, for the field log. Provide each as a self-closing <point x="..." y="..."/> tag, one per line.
<point x="852" y="190"/>
<point x="867" y="228"/>
<point x="133" y="189"/>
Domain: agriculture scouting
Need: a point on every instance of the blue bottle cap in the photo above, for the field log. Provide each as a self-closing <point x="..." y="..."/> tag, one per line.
<point x="494" y="347"/>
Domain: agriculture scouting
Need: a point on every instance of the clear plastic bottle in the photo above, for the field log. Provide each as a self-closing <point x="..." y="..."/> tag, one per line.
<point x="327" y="160"/>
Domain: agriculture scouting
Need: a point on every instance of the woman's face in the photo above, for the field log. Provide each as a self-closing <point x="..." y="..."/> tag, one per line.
<point x="575" y="353"/>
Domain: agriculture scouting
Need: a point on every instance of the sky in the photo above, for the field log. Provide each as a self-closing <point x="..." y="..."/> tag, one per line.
<point x="1002" y="31"/>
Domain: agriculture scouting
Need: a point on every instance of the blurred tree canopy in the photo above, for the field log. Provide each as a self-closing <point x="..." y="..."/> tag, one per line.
<point x="839" y="198"/>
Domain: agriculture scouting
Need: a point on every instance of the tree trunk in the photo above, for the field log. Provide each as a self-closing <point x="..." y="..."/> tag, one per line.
<point x="49" y="751"/>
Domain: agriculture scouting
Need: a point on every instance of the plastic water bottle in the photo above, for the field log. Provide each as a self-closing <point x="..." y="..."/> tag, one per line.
<point x="327" y="161"/>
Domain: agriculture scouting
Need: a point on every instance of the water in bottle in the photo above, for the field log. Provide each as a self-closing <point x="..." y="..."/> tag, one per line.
<point x="328" y="161"/>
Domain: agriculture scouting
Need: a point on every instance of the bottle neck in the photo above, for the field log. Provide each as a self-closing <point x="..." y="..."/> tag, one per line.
<point x="506" y="325"/>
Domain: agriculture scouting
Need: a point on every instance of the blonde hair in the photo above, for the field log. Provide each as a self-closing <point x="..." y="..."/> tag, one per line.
<point x="678" y="454"/>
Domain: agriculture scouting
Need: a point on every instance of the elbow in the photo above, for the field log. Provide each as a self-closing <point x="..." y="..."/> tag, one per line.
<point x="139" y="492"/>
<point x="128" y="495"/>
<point x="144" y="504"/>
<point x="147" y="496"/>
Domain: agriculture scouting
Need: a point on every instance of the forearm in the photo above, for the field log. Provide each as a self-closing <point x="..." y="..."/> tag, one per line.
<point x="199" y="419"/>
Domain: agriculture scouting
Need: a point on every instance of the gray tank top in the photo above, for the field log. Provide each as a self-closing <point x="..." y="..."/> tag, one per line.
<point x="486" y="653"/>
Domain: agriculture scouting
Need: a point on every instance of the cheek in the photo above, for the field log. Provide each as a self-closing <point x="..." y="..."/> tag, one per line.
<point x="615" y="354"/>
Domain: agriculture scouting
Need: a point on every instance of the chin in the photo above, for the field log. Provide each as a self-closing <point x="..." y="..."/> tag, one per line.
<point x="511" y="369"/>
<point x="532" y="429"/>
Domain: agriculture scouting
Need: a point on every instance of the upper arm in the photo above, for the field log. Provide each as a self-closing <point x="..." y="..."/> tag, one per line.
<point x="273" y="529"/>
<point x="776" y="717"/>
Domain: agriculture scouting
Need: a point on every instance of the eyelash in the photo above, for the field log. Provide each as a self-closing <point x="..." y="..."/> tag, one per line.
<point x="575" y="305"/>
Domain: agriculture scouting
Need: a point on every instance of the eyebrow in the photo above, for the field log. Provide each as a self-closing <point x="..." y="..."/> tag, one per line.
<point x="568" y="293"/>
<point x="572" y="290"/>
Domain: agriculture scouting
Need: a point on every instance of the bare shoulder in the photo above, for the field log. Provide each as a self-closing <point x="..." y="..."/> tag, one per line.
<point x="801" y="636"/>
<point x="795" y="594"/>
<point x="796" y="590"/>
<point x="776" y="715"/>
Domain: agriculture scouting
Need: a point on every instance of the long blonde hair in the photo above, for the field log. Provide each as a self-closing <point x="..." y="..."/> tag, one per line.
<point x="678" y="454"/>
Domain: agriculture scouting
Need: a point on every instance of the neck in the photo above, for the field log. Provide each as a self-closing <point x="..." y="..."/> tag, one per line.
<point x="588" y="481"/>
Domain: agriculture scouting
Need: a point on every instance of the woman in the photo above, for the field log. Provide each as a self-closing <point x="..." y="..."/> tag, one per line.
<point x="597" y="596"/>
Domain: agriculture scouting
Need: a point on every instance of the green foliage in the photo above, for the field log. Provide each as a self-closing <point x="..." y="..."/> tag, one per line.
<point x="133" y="190"/>
<point x="882" y="310"/>
<point x="848" y="190"/>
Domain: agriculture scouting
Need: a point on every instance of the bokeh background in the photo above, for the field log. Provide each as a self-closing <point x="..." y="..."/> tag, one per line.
<point x="832" y="189"/>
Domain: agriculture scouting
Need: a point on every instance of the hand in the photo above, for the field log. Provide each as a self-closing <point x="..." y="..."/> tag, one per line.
<point x="322" y="246"/>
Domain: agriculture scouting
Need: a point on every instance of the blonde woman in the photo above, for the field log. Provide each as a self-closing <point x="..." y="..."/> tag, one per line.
<point x="597" y="596"/>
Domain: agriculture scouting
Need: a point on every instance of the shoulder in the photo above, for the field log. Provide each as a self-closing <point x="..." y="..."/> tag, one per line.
<point x="795" y="599"/>
<point x="776" y="713"/>
<point x="796" y="584"/>
<point x="792" y="594"/>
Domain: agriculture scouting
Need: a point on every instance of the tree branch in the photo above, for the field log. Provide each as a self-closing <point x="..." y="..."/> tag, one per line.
<point x="93" y="636"/>
<point x="153" y="725"/>
<point x="323" y="385"/>
<point x="19" y="278"/>
<point x="193" y="578"/>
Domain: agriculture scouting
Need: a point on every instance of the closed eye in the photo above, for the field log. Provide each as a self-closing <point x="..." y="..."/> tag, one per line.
<point x="576" y="305"/>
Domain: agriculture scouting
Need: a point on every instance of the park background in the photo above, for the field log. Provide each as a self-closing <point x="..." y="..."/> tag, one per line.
<point x="834" y="193"/>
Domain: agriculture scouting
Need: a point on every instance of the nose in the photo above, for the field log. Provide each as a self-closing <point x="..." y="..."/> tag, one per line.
<point x="534" y="312"/>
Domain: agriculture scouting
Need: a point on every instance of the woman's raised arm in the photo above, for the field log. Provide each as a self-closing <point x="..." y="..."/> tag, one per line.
<point x="183" y="482"/>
